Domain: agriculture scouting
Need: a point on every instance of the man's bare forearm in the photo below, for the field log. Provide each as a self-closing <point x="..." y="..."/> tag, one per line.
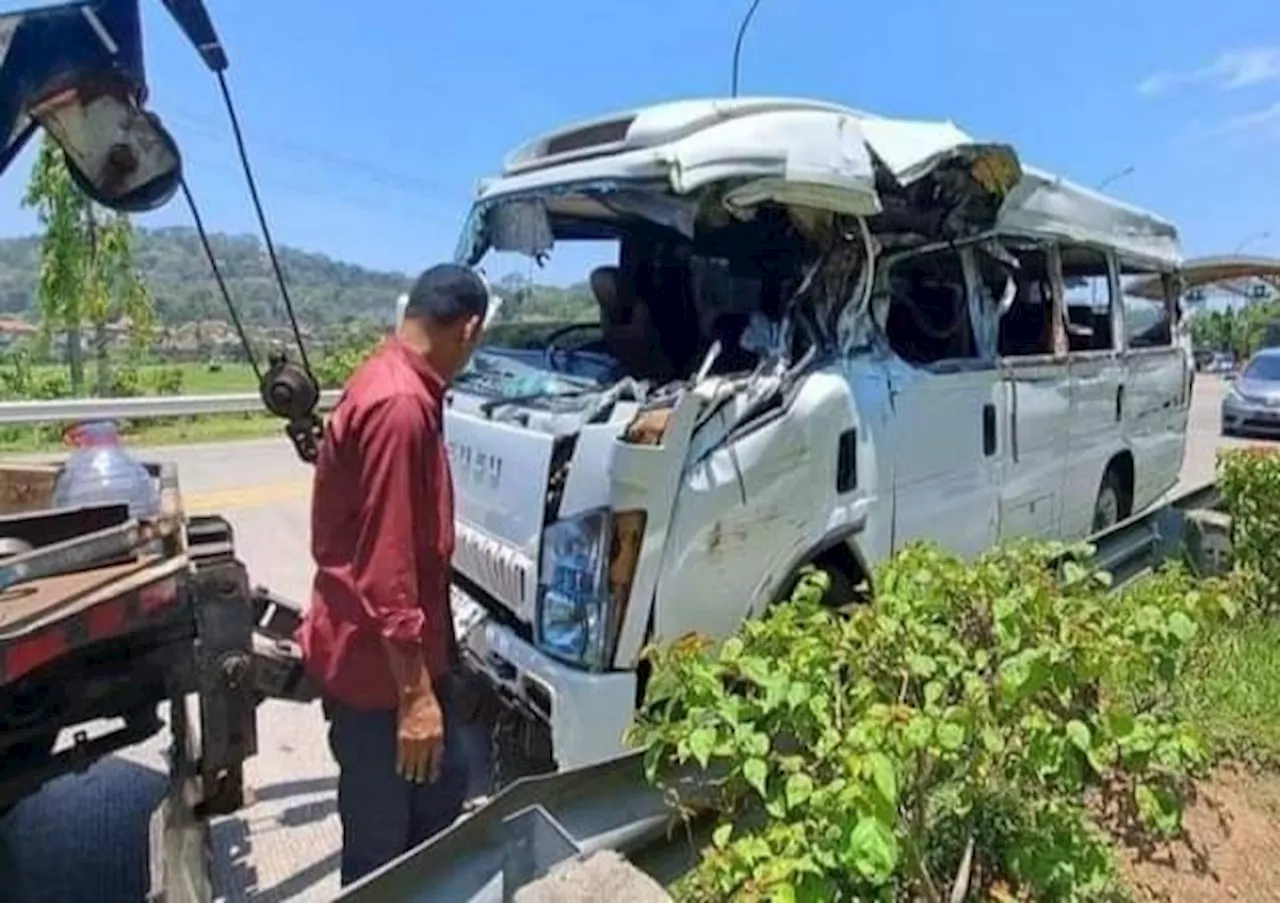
<point x="409" y="668"/>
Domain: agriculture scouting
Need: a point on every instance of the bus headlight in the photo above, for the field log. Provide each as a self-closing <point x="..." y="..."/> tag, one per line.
<point x="584" y="582"/>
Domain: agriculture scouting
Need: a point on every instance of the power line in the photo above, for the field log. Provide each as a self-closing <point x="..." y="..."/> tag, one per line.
<point x="392" y="178"/>
<point x="367" y="203"/>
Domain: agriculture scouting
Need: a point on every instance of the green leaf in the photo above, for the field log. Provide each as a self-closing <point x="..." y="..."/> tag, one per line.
<point x="756" y="773"/>
<point x="1120" y="723"/>
<point x="798" y="790"/>
<point x="731" y="651"/>
<point x="993" y="740"/>
<point x="1182" y="626"/>
<point x="884" y="777"/>
<point x="922" y="665"/>
<point x="720" y="836"/>
<point x="1019" y="674"/>
<point x="1078" y="734"/>
<point x="919" y="732"/>
<point x="872" y="850"/>
<point x="755" y="669"/>
<point x="1073" y="573"/>
<point x="950" y="736"/>
<point x="798" y="694"/>
<point x="1159" y="807"/>
<point x="782" y="893"/>
<point x="701" y="742"/>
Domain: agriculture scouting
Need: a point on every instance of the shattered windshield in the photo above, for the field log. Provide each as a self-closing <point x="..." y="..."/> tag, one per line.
<point x="546" y="338"/>
<point x="601" y="285"/>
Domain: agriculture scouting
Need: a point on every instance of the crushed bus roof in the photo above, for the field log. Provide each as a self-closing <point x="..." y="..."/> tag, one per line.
<point x="757" y="137"/>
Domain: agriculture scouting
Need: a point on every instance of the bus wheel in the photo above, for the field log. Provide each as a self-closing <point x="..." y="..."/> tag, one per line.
<point x="1106" y="510"/>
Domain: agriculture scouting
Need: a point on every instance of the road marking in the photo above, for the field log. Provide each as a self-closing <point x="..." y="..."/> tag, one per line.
<point x="218" y="501"/>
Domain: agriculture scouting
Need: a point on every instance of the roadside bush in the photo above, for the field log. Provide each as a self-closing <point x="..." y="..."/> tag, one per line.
<point x="168" y="381"/>
<point x="1249" y="479"/>
<point x="126" y="381"/>
<point x="50" y="386"/>
<point x="16" y="373"/>
<point x="343" y="354"/>
<point x="963" y="728"/>
<point x="334" y="367"/>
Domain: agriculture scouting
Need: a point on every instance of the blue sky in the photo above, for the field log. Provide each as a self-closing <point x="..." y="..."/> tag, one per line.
<point x="369" y="128"/>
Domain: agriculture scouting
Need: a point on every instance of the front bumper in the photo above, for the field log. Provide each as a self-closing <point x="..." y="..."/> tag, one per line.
<point x="1253" y="417"/>
<point x="587" y="712"/>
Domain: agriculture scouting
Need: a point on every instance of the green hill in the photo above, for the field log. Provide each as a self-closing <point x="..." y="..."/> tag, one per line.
<point x="325" y="291"/>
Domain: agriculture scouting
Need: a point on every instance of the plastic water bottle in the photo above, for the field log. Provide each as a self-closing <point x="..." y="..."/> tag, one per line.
<point x="101" y="472"/>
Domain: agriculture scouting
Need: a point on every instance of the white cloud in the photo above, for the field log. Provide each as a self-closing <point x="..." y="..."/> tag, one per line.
<point x="1232" y="69"/>
<point x="1266" y="119"/>
<point x="1256" y="125"/>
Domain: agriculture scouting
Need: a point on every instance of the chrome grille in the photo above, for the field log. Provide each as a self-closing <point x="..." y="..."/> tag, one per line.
<point x="493" y="566"/>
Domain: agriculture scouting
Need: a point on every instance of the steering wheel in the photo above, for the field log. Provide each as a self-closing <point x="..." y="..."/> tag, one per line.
<point x="552" y="342"/>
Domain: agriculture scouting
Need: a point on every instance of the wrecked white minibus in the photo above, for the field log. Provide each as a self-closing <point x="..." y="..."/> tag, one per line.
<point x="824" y="334"/>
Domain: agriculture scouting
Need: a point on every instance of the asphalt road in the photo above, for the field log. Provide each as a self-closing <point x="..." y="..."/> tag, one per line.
<point x="83" y="838"/>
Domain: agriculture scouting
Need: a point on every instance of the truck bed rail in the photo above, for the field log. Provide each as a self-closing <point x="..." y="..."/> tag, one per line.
<point x="537" y="822"/>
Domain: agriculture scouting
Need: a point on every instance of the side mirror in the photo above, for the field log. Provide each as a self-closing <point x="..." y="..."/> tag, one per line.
<point x="118" y="154"/>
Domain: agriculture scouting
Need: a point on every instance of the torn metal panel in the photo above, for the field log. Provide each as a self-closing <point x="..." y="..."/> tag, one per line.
<point x="820" y="152"/>
<point x="1049" y="206"/>
<point x="909" y="148"/>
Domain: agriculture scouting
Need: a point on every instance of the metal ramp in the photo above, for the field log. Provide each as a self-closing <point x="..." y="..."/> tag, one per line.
<point x="522" y="832"/>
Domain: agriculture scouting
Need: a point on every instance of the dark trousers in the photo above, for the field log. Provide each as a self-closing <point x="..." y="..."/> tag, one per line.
<point x="382" y="814"/>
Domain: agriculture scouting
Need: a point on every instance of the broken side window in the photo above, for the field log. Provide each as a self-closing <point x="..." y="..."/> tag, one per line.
<point x="928" y="314"/>
<point x="1086" y="284"/>
<point x="1148" y="322"/>
<point x="1026" y="328"/>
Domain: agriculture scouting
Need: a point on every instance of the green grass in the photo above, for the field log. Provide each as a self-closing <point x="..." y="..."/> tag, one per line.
<point x="197" y="378"/>
<point x="173" y="431"/>
<point x="1233" y="691"/>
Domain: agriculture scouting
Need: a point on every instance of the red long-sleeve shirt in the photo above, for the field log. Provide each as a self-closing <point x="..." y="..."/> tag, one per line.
<point x="381" y="532"/>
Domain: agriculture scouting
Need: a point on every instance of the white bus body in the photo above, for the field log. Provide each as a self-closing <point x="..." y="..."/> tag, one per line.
<point x="941" y="346"/>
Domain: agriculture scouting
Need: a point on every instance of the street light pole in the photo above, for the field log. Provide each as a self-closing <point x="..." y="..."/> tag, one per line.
<point x="737" y="45"/>
<point x="1261" y="236"/>
<point x="1117" y="175"/>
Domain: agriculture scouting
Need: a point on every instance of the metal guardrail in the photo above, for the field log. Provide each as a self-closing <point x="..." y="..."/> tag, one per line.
<point x="535" y="822"/>
<point x="72" y="410"/>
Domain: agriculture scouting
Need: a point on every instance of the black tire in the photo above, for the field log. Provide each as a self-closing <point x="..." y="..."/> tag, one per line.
<point x="843" y="591"/>
<point x="1109" y="508"/>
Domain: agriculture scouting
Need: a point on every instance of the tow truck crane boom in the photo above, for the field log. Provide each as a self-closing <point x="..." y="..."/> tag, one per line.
<point x="77" y="70"/>
<point x="164" y="610"/>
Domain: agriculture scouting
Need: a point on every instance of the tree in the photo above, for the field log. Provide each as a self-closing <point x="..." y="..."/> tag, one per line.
<point x="87" y="274"/>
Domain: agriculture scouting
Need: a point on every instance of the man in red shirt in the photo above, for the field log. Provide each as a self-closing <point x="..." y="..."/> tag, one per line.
<point x="378" y="637"/>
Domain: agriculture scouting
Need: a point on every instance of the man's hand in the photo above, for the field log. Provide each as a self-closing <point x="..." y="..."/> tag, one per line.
<point x="419" y="721"/>
<point x="420" y="737"/>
